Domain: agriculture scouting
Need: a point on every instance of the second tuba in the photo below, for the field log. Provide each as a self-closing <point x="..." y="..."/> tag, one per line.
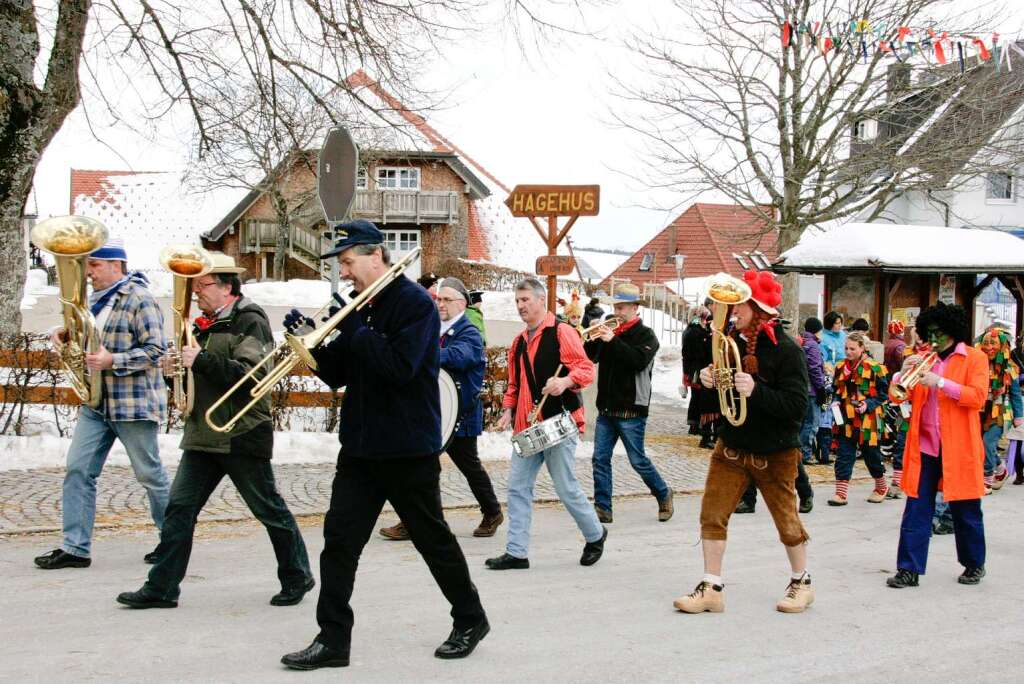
<point x="186" y="262"/>
<point x="70" y="239"/>
<point x="725" y="291"/>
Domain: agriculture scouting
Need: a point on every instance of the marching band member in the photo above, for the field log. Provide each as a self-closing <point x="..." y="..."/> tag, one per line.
<point x="625" y="360"/>
<point x="1004" y="403"/>
<point x="131" y="332"/>
<point x="532" y="360"/>
<point x="765" y="449"/>
<point x="232" y="336"/>
<point x="944" y="447"/>
<point x="861" y="387"/>
<point x="387" y="358"/>
<point x="462" y="355"/>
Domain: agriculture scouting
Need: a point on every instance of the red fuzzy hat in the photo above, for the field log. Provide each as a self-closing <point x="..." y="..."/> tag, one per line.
<point x="766" y="291"/>
<point x="896" y="328"/>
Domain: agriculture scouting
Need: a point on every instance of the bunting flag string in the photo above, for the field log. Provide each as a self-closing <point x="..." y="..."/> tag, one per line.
<point x="862" y="38"/>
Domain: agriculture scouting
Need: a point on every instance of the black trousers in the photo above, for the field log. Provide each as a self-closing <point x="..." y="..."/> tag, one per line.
<point x="198" y="475"/>
<point x="463" y="453"/>
<point x="361" y="486"/>
<point x="803" y="487"/>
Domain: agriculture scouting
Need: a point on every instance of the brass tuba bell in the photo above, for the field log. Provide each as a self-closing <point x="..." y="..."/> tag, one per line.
<point x="186" y="263"/>
<point x="726" y="291"/>
<point x="70" y="239"/>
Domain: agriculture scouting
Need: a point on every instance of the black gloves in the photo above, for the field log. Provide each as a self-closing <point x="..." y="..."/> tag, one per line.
<point x="335" y="308"/>
<point x="821" y="396"/>
<point x="297" y="323"/>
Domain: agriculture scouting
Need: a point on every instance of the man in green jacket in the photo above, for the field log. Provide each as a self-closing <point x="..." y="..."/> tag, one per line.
<point x="232" y="336"/>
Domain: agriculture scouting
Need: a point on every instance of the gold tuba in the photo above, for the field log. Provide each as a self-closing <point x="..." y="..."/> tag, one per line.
<point x="70" y="239"/>
<point x="298" y="349"/>
<point x="726" y="291"/>
<point x="186" y="262"/>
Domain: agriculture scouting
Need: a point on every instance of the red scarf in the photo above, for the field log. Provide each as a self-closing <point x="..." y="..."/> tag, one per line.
<point x="626" y="326"/>
<point x="203" y="322"/>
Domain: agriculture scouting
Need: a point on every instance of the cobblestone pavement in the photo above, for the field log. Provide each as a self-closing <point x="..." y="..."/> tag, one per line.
<point x="30" y="500"/>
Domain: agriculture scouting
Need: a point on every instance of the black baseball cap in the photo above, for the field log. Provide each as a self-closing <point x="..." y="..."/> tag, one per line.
<point x="352" y="233"/>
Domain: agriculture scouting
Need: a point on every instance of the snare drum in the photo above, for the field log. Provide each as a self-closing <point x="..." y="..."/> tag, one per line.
<point x="449" y="390"/>
<point x="544" y="434"/>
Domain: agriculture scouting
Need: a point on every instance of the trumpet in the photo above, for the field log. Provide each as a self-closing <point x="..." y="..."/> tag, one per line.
<point x="298" y="350"/>
<point x="611" y="323"/>
<point x="70" y="239"/>
<point x="901" y="390"/>
<point x="726" y="291"/>
<point x="186" y="262"/>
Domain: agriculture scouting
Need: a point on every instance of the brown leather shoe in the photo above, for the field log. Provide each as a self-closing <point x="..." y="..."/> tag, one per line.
<point x="395" y="532"/>
<point x="665" y="508"/>
<point x="489" y="525"/>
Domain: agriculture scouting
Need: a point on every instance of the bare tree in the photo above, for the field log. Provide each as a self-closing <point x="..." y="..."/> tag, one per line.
<point x="170" y="54"/>
<point x="761" y="100"/>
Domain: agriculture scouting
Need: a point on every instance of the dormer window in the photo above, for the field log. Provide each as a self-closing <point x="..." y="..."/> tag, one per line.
<point x="865" y="130"/>
<point x="999" y="187"/>
<point x="646" y="262"/>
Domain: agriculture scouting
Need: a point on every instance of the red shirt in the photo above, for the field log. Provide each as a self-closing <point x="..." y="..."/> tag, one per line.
<point x="571" y="354"/>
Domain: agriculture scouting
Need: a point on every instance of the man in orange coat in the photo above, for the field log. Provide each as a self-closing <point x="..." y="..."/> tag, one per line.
<point x="944" y="447"/>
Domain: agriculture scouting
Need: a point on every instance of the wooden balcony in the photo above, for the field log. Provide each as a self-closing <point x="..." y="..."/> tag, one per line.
<point x="406" y="206"/>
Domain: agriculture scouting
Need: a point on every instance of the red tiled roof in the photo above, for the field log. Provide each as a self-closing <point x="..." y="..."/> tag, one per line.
<point x="476" y="250"/>
<point x="708" y="234"/>
<point x="94" y="184"/>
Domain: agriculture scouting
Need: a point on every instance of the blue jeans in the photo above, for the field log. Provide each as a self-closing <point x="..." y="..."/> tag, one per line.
<point x="561" y="463"/>
<point x="916" y="528"/>
<point x="90" y="445"/>
<point x="991" y="439"/>
<point x="606" y="433"/>
<point x="847" y="455"/>
<point x="809" y="429"/>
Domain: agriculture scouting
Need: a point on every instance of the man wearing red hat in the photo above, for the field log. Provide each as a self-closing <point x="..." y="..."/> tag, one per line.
<point x="765" y="449"/>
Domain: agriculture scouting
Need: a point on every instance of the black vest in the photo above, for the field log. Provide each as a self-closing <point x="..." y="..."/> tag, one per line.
<point x="544" y="364"/>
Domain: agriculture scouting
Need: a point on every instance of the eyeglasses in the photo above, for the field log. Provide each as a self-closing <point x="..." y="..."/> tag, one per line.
<point x="199" y="287"/>
<point x="449" y="300"/>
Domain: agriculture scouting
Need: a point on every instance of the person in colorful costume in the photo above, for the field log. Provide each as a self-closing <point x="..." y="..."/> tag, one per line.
<point x="1004" y="401"/>
<point x="860" y="385"/>
<point x="944" y="447"/>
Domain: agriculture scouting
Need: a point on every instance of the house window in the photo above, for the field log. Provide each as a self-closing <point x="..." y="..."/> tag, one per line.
<point x="361" y="180"/>
<point x="398" y="178"/>
<point x="865" y="130"/>
<point x="645" y="264"/>
<point x="999" y="187"/>
<point x="401" y="241"/>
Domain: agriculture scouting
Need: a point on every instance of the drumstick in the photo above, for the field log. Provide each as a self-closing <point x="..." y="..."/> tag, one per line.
<point x="544" y="397"/>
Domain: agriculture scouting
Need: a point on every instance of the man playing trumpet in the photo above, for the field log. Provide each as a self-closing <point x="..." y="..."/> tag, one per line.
<point x="232" y="336"/>
<point x="625" y="359"/>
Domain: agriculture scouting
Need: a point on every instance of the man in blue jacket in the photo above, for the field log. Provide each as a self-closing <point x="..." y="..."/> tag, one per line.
<point x="387" y="357"/>
<point x="462" y="355"/>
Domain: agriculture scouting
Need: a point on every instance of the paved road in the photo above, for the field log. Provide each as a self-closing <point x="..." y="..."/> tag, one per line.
<point x="557" y="622"/>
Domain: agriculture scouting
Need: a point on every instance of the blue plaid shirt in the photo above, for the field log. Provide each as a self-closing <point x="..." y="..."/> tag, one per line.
<point x="134" y="389"/>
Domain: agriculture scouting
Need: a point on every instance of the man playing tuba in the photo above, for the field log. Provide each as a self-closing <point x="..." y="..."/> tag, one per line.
<point x="133" y="401"/>
<point x="232" y="336"/>
<point x="765" y="447"/>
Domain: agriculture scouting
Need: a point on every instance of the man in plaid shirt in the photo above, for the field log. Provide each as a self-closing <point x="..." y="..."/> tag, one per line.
<point x="133" y="404"/>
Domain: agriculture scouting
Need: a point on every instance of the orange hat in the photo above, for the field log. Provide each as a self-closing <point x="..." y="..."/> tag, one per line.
<point x="896" y="328"/>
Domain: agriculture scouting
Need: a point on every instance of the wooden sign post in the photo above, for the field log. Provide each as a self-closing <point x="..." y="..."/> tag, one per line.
<point x="551" y="201"/>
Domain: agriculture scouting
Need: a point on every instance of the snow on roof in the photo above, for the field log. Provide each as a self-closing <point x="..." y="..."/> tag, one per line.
<point x="895" y="247"/>
<point x="149" y="210"/>
<point x="602" y="262"/>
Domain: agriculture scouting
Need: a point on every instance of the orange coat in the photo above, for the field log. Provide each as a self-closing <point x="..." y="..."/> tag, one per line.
<point x="963" y="454"/>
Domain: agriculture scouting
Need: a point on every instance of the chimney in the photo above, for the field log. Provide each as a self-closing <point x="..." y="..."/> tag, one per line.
<point x="897" y="81"/>
<point x="672" y="231"/>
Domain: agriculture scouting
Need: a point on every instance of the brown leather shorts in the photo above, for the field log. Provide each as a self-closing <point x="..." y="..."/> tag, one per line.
<point x="729" y="474"/>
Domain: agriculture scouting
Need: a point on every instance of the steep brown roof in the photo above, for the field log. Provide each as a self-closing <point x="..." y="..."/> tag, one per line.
<point x="94" y="184"/>
<point x="708" y="234"/>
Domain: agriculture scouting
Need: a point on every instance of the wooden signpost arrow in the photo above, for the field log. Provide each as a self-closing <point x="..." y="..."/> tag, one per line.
<point x="552" y="201"/>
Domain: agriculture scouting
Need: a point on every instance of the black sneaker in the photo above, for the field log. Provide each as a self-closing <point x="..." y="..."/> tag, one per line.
<point x="744" y="507"/>
<point x="971" y="575"/>
<point x="143" y="598"/>
<point x="902" y="579"/>
<point x="942" y="528"/>
<point x="592" y="551"/>
<point x="603" y="514"/>
<point x="289" y="596"/>
<point x="58" y="558"/>
<point x="151" y="558"/>
<point x="807" y="505"/>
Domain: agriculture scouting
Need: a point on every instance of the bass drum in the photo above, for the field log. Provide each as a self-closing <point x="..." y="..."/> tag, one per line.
<point x="449" y="406"/>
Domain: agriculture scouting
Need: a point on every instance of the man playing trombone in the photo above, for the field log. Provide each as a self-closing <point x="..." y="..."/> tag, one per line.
<point x="386" y="355"/>
<point x="232" y="337"/>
